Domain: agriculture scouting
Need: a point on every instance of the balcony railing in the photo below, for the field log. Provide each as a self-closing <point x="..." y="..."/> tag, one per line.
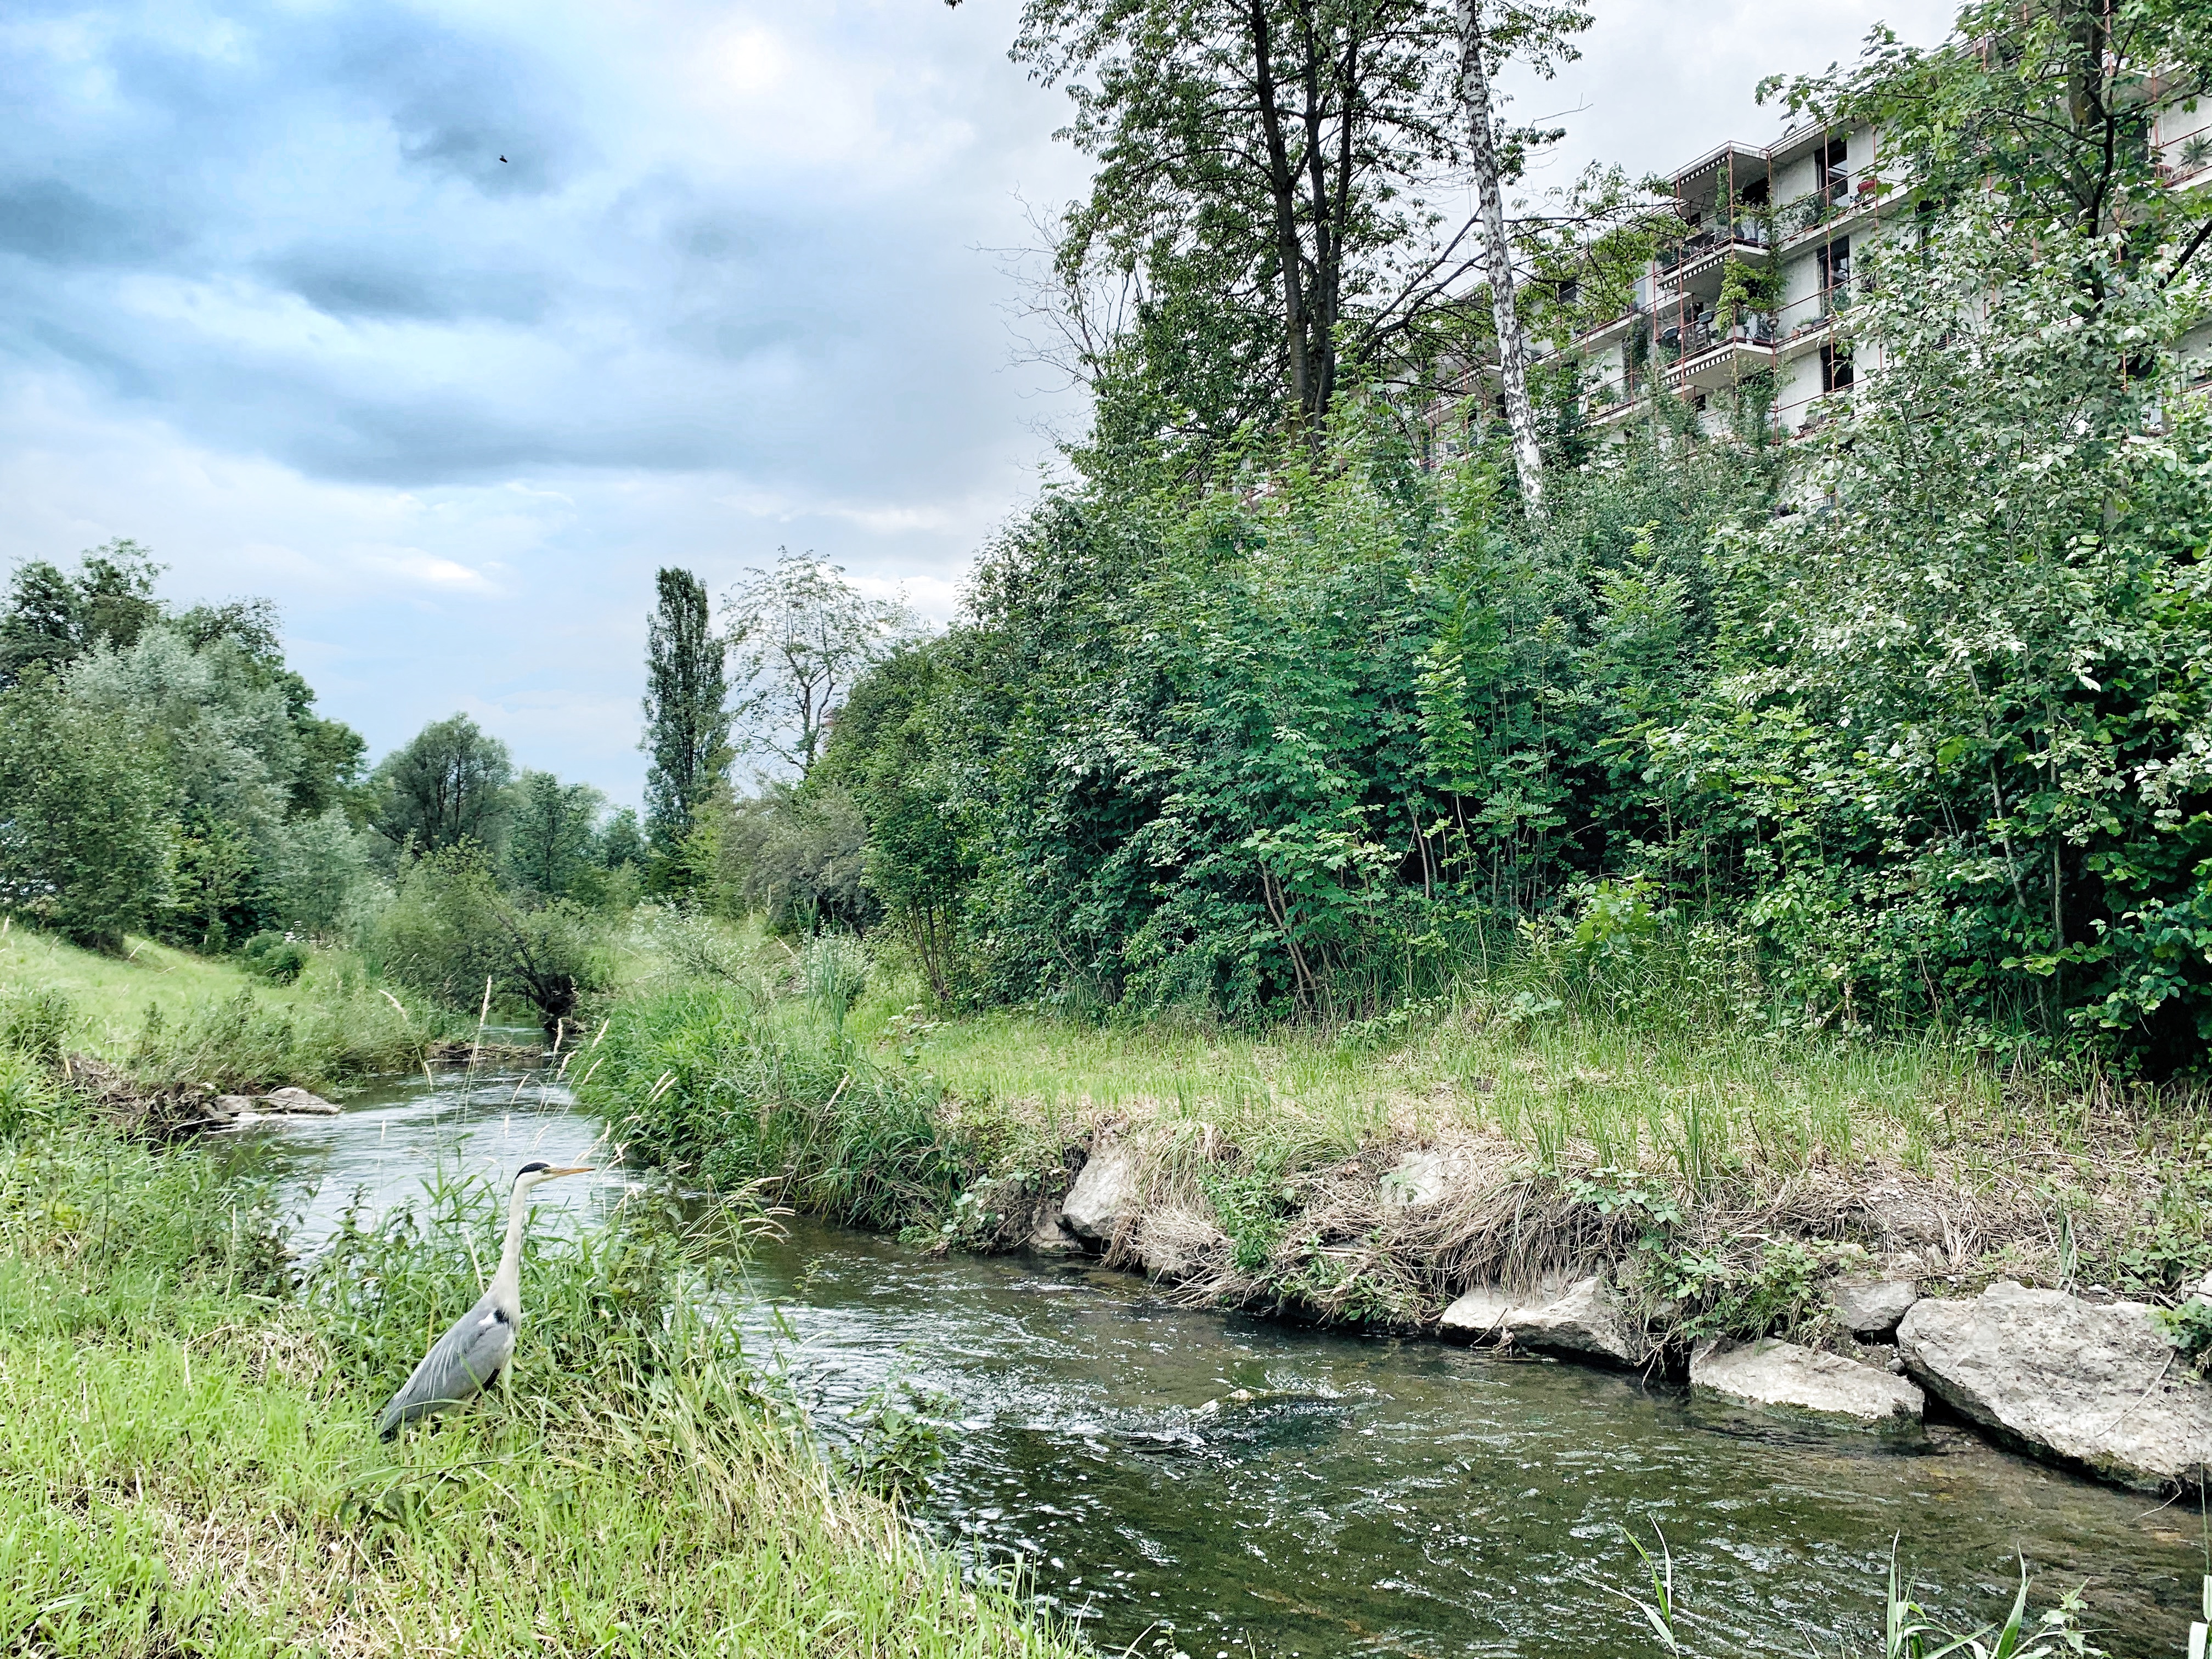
<point x="1684" y="341"/>
<point x="1745" y="230"/>
<point x="1832" y="201"/>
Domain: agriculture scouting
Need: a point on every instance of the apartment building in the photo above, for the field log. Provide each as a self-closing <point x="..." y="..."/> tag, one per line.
<point x="1753" y="266"/>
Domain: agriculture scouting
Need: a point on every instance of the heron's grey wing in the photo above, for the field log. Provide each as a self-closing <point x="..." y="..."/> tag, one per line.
<point x="457" y="1368"/>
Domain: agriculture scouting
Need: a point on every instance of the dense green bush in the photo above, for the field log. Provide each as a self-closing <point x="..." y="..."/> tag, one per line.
<point x="703" y="1076"/>
<point x="452" y="932"/>
<point x="1914" y="720"/>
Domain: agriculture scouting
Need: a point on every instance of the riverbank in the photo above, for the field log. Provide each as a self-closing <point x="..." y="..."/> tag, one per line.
<point x="150" y="1033"/>
<point x="1695" y="1182"/>
<point x="187" y="1462"/>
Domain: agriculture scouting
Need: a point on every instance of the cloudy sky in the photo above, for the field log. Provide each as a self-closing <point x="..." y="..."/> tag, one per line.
<point x="272" y="303"/>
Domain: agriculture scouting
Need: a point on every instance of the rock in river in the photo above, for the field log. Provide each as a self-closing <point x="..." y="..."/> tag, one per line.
<point x="1583" y="1324"/>
<point x="1870" y="1308"/>
<point x="2094" y="1385"/>
<point x="1103" y="1200"/>
<point x="298" y="1100"/>
<point x="1770" y="1373"/>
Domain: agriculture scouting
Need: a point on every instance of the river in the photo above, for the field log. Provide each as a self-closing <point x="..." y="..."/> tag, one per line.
<point x="1213" y="1484"/>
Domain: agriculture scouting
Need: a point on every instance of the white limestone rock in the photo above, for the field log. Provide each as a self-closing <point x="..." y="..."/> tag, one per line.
<point x="2096" y="1386"/>
<point x="299" y="1100"/>
<point x="1103" y="1200"/>
<point x="1480" y="1313"/>
<point x="1870" y="1308"/>
<point x="1768" y="1373"/>
<point x="1582" y="1324"/>
<point x="1419" y="1178"/>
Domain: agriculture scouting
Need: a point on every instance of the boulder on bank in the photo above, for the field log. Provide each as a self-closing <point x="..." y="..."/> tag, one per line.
<point x="1583" y="1324"/>
<point x="1480" y="1313"/>
<point x="1418" y="1178"/>
<point x="1773" y="1373"/>
<point x="1105" y="1198"/>
<point x="2094" y="1385"/>
<point x="1051" y="1235"/>
<point x="1870" y="1308"/>
<point x="298" y="1100"/>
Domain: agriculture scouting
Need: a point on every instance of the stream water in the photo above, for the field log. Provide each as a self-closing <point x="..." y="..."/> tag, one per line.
<point x="1207" y="1484"/>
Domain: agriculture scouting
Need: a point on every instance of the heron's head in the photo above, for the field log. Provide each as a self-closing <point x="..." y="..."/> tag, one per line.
<point x="530" y="1174"/>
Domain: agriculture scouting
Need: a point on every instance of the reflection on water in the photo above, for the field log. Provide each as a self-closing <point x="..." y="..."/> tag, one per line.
<point x="1202" y="1483"/>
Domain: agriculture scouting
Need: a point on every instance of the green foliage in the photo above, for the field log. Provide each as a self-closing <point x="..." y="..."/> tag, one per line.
<point x="686" y="717"/>
<point x="447" y="785"/>
<point x="86" y="846"/>
<point x="553" y="835"/>
<point x="326" y="1036"/>
<point x="896" y="1439"/>
<point x="801" y="634"/>
<point x="52" y="618"/>
<point x="1252" y="1204"/>
<point x="793" y="854"/>
<point x="703" y="1077"/>
<point x="2189" y="1327"/>
<point x="275" y="957"/>
<point x="451" y="931"/>
<point x="34" y="1021"/>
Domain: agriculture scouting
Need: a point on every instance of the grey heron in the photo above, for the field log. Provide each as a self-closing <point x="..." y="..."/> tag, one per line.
<point x="462" y="1362"/>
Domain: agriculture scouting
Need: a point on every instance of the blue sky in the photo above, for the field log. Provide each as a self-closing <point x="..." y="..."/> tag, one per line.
<point x="270" y="303"/>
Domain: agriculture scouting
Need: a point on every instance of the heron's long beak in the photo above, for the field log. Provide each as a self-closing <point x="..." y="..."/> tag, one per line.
<point x="572" y="1169"/>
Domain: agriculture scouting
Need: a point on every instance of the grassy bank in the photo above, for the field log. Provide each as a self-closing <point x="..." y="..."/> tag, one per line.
<point x="1656" y="1120"/>
<point x="161" y="1024"/>
<point x="187" y="1465"/>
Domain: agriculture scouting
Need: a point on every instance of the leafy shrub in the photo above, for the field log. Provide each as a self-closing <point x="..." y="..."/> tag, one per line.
<point x="275" y="957"/>
<point x="452" y="929"/>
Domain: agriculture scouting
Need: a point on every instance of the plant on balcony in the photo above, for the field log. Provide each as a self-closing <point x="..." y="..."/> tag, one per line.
<point x="1745" y="289"/>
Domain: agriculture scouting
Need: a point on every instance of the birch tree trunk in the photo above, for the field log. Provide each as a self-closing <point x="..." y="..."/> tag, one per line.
<point x="1512" y="351"/>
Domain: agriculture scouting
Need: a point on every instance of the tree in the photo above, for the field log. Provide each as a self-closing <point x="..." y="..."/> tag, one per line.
<point x="802" y="635"/>
<point x="451" y="929"/>
<point x="1539" y="33"/>
<point x="2043" y="111"/>
<point x="53" y="618"/>
<point x="85" y="843"/>
<point x="1267" y="210"/>
<point x="446" y="786"/>
<point x="551" y="831"/>
<point x="687" y="718"/>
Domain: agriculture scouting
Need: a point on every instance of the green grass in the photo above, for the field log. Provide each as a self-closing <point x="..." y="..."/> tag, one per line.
<point x="1660" y="1071"/>
<point x="175" y="1019"/>
<point x="1603" y="1083"/>
<point x="187" y="1465"/>
<point x="109" y="994"/>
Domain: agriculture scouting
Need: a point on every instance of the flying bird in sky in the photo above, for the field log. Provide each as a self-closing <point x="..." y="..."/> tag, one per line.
<point x="503" y="158"/>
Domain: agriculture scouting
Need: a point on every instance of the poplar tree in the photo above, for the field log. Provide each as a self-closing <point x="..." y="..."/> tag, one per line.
<point x="687" y="718"/>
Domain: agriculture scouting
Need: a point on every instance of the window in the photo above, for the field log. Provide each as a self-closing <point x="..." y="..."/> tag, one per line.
<point x="1828" y="164"/>
<point x="1754" y="194"/>
<point x="1835" y="369"/>
<point x="1835" y="263"/>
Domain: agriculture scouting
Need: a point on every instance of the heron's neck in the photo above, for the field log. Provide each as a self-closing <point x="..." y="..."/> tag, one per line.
<point x="507" y="1283"/>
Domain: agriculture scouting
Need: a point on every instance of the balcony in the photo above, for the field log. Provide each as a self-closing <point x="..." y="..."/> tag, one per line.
<point x="1686" y="342"/>
<point x="1841" y="196"/>
<point x="1742" y="232"/>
